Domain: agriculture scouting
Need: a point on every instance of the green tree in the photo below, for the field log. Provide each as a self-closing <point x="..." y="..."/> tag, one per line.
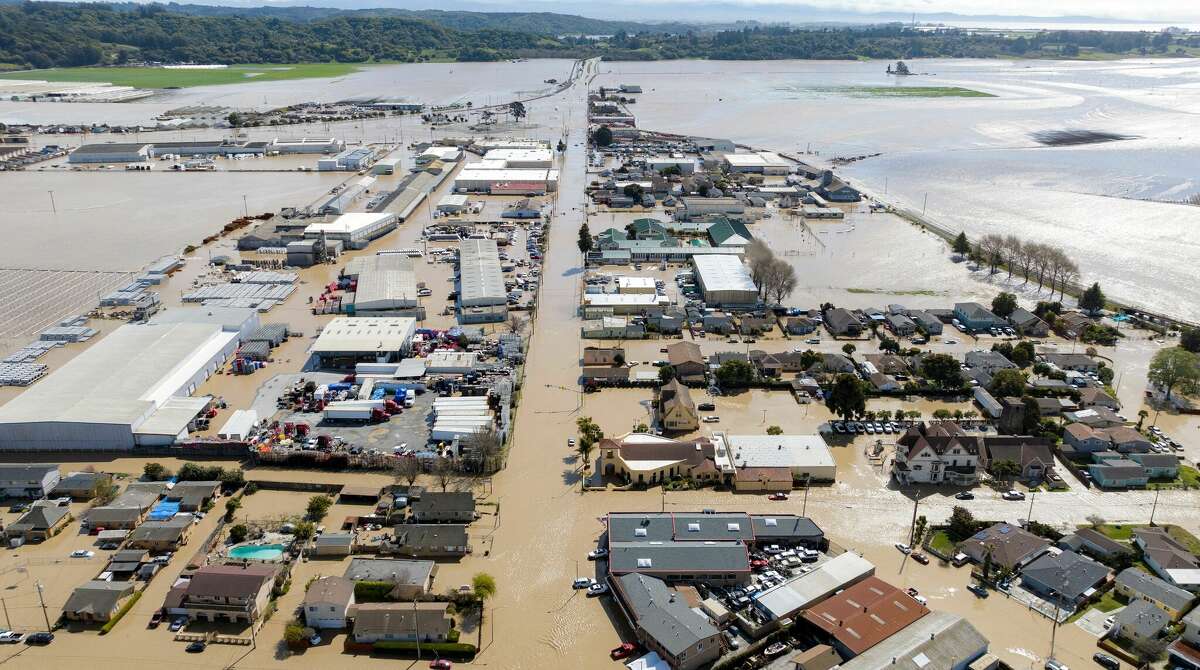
<point x="943" y="370"/>
<point x="961" y="525"/>
<point x="1004" y="305"/>
<point x="1105" y="374"/>
<point x="1023" y="354"/>
<point x="232" y="505"/>
<point x="1006" y="470"/>
<point x="942" y="413"/>
<point x="1175" y="369"/>
<point x="239" y="533"/>
<point x="961" y="245"/>
<point x="889" y="345"/>
<point x="634" y="191"/>
<point x="517" y="109"/>
<point x="735" y="373"/>
<point x="155" y="472"/>
<point x="1032" y="420"/>
<point x="318" y="507"/>
<point x="293" y="633"/>
<point x="1008" y="382"/>
<point x="305" y="530"/>
<point x="666" y="373"/>
<point x="774" y="430"/>
<point x="1093" y="299"/>
<point x="1142" y="414"/>
<point x="641" y="428"/>
<point x="847" y="399"/>
<point x="1189" y="339"/>
<point x="483" y="586"/>
<point x="585" y="239"/>
<point x="919" y="529"/>
<point x="590" y="435"/>
<point x="602" y="136"/>
<point x="849" y="349"/>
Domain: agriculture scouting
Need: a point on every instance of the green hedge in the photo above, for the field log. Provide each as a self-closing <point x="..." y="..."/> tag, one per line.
<point x="121" y="612"/>
<point x="372" y="592"/>
<point x="455" y="650"/>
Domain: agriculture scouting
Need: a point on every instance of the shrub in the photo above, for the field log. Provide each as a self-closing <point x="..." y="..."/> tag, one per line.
<point x="372" y="592"/>
<point x="455" y="650"/>
<point x="121" y="612"/>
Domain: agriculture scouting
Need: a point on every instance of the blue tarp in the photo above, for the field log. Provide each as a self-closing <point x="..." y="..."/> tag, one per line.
<point x="164" y="510"/>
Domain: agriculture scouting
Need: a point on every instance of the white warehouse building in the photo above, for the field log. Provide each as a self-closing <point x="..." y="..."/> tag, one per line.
<point x="131" y="388"/>
<point x="725" y="280"/>
<point x="523" y="158"/>
<point x="485" y="180"/>
<point x="481" y="293"/>
<point x="354" y="231"/>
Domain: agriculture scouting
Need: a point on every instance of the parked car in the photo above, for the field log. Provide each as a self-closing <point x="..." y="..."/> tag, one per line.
<point x="597" y="589"/>
<point x="10" y="637"/>
<point x="626" y="650"/>
<point x="570" y="442"/>
<point x="778" y="496"/>
<point x="597" y="554"/>
<point x="978" y="589"/>
<point x="964" y="495"/>
<point x="711" y="419"/>
<point x="1106" y="661"/>
<point x="904" y="548"/>
<point x="706" y="407"/>
<point x="1013" y="494"/>
<point x="440" y="664"/>
<point x="920" y="558"/>
<point x="177" y="624"/>
<point x="582" y="582"/>
<point x="155" y="619"/>
<point x="41" y="638"/>
<point x="82" y="553"/>
<point x="1055" y="664"/>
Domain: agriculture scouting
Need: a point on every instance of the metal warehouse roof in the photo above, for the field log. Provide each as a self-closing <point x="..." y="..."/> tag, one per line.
<point x="366" y="334"/>
<point x="390" y="284"/>
<point x="723" y="273"/>
<point x="350" y="224"/>
<point x="111" y="147"/>
<point x="480" y="277"/>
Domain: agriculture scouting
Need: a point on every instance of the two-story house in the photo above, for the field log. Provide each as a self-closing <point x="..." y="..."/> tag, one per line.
<point x="27" y="480"/>
<point x="403" y="622"/>
<point x="936" y="453"/>
<point x="234" y="593"/>
<point x="445" y="507"/>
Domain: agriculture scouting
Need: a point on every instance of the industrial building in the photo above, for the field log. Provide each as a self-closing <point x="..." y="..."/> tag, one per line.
<point x="522" y="158"/>
<point x="660" y="163"/>
<point x="131" y="388"/>
<point x="601" y="304"/>
<point x="344" y="198"/>
<point x="798" y="457"/>
<point x="385" y="166"/>
<point x="799" y="593"/>
<point x="438" y="154"/>
<point x="759" y="162"/>
<point x="724" y="280"/>
<point x="111" y="152"/>
<point x="481" y="293"/>
<point x="241" y="321"/>
<point x="522" y="180"/>
<point x="346" y="341"/>
<point x="452" y="203"/>
<point x="354" y="231"/>
<point x="387" y="285"/>
<point x="351" y="160"/>
<point x="305" y="145"/>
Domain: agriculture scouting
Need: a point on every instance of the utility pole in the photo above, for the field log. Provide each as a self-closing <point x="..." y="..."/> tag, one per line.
<point x="804" y="505"/>
<point x="53" y="207"/>
<point x="1029" y="514"/>
<point x="416" y="627"/>
<point x="924" y="203"/>
<point x="43" y="602"/>
<point x="245" y="207"/>
<point x="1154" y="507"/>
<point x="7" y="623"/>
<point x="912" y="529"/>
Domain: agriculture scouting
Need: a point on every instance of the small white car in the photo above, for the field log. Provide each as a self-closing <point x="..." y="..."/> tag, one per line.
<point x="582" y="583"/>
<point x="596" y="554"/>
<point x="597" y="589"/>
<point x="82" y="553"/>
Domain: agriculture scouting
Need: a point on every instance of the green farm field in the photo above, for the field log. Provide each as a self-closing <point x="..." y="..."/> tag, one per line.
<point x="159" y="77"/>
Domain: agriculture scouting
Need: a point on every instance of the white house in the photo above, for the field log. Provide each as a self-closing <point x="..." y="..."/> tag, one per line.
<point x="328" y="601"/>
<point x="939" y="453"/>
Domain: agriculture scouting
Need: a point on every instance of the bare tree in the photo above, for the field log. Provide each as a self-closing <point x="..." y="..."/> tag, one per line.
<point x="991" y="247"/>
<point x="1069" y="275"/>
<point x="759" y="257"/>
<point x="486" y="449"/>
<point x="407" y="468"/>
<point x="780" y="280"/>
<point x="443" y="472"/>
<point x="516" y="322"/>
<point x="1012" y="252"/>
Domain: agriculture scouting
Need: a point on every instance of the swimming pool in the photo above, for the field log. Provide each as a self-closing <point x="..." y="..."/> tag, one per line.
<point x="258" y="552"/>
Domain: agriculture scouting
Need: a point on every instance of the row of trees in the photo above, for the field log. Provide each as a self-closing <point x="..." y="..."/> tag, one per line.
<point x="774" y="277"/>
<point x="1047" y="264"/>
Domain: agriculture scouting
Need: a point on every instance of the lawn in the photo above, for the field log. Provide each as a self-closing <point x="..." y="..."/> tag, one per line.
<point x="941" y="542"/>
<point x="1118" y="532"/>
<point x="1188" y="477"/>
<point x="1107" y="603"/>
<point x="1124" y="533"/>
<point x="905" y="91"/>
<point x="159" y="77"/>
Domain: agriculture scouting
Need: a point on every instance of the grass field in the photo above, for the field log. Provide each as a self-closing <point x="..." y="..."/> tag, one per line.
<point x="942" y="542"/>
<point x="905" y="91"/>
<point x="157" y="77"/>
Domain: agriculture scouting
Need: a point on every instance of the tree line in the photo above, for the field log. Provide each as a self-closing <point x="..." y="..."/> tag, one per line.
<point x="1046" y="264"/>
<point x="50" y="34"/>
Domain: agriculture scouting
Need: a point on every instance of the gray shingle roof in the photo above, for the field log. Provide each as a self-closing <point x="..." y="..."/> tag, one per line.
<point x="1142" y="619"/>
<point x="1068" y="573"/>
<point x="663" y="614"/>
<point x="1140" y="581"/>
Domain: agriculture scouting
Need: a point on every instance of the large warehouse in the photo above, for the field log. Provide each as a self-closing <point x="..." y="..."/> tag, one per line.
<point x="130" y="388"/>
<point x="762" y="162"/>
<point x="387" y="285"/>
<point x="522" y="158"/>
<point x="111" y="152"/>
<point x="481" y="293"/>
<point x="724" y="280"/>
<point x="482" y="181"/>
<point x="806" y="456"/>
<point x="347" y="341"/>
<point x="354" y="231"/>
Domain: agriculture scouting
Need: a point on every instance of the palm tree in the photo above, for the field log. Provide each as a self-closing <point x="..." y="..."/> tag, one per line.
<point x="1142" y="414"/>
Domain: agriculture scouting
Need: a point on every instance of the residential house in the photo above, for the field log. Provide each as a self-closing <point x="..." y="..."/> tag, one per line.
<point x="884" y="383"/>
<point x="1168" y="558"/>
<point x="28" y="480"/>
<point x="1184" y="652"/>
<point x="670" y="322"/>
<point x="1073" y="323"/>
<point x="665" y="623"/>
<point x="327" y="602"/>
<point x="717" y="322"/>
<point x="900" y="325"/>
<point x="612" y="328"/>
<point x="649" y="459"/>
<point x="1094" y="544"/>
<point x="801" y="325"/>
<point x="936" y="641"/>
<point x="726" y="232"/>
<point x="1094" y="396"/>
<point x="96" y="601"/>
<point x="606" y="373"/>
<point x="1085" y="439"/>
<point x="975" y="317"/>
<point x="1095" y="417"/>
<point x="128" y="509"/>
<point x="593" y="356"/>
<point x="755" y="325"/>
<point x="444" y="507"/>
<point x="1118" y="473"/>
<point x="767" y="365"/>
<point x="81" y="485"/>
<point x="926" y="321"/>
<point x="888" y="364"/>
<point x="843" y="323"/>
<point x="402" y="622"/>
<point x="1010" y="547"/>
<point x="936" y="453"/>
<point x="863" y="615"/>
<point x="41" y="522"/>
<point x="1137" y="584"/>
<point x="411" y="579"/>
<point x="990" y="361"/>
<point x="1064" y="577"/>
<point x="161" y="535"/>
<point x="834" y="189"/>
<point x="687" y="360"/>
<point x="1140" y="620"/>
<point x="833" y="364"/>
<point x="429" y="541"/>
<point x="193" y="496"/>
<point x="1158" y="466"/>
<point x="1126" y="440"/>
<point x="676" y="410"/>
<point x="126" y="563"/>
<point x="820" y="657"/>
<point x="1028" y="324"/>
<point x="1031" y="455"/>
<point x="233" y="593"/>
<point x="1076" y="362"/>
